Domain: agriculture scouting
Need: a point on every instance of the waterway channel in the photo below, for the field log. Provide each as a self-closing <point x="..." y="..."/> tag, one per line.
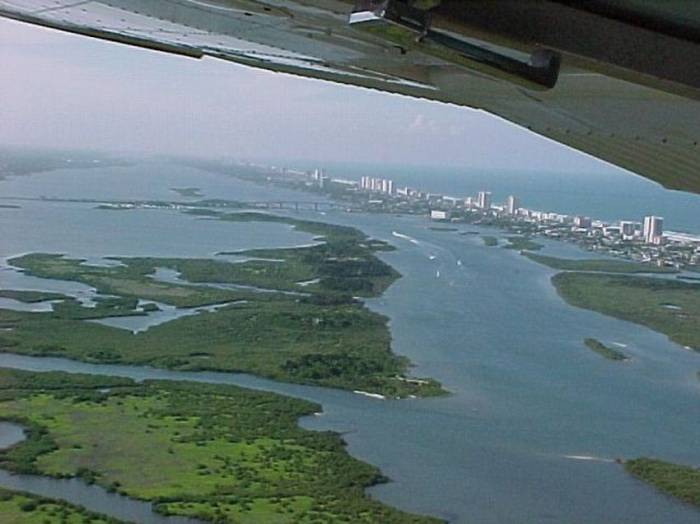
<point x="534" y="421"/>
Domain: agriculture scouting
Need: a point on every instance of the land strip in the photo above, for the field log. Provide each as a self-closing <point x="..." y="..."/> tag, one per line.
<point x="604" y="351"/>
<point x="681" y="482"/>
<point x="668" y="306"/>
<point x="218" y="453"/>
<point x="24" y="508"/>
<point x="598" y="265"/>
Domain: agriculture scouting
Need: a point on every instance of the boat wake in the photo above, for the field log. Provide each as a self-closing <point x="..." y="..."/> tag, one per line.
<point x="370" y="395"/>
<point x="589" y="458"/>
<point x="405" y="237"/>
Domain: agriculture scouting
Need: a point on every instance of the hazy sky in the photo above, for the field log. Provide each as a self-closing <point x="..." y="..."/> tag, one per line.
<point x="63" y="90"/>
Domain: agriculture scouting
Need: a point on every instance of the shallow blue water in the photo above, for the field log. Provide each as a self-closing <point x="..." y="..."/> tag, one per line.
<point x="534" y="420"/>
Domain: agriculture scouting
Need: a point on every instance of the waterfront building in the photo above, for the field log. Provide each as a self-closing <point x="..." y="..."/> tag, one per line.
<point x="379" y="185"/>
<point x="484" y="199"/>
<point x="582" y="222"/>
<point x="438" y="215"/>
<point x="653" y="230"/>
<point x="612" y="231"/>
<point x="512" y="205"/>
<point x="627" y="229"/>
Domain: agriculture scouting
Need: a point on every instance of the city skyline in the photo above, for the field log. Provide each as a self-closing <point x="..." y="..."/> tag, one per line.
<point x="650" y="227"/>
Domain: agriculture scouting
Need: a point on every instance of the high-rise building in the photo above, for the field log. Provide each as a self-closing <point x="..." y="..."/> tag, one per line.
<point x="484" y="200"/>
<point x="653" y="229"/>
<point x="512" y="205"/>
<point x="627" y="229"/>
<point x="584" y="222"/>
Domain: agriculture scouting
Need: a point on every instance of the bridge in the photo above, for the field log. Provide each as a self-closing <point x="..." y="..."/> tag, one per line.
<point x="296" y="205"/>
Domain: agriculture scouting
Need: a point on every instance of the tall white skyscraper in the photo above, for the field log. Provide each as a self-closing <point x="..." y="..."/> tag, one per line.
<point x="512" y="205"/>
<point x="627" y="229"/>
<point x="653" y="229"/>
<point x="484" y="200"/>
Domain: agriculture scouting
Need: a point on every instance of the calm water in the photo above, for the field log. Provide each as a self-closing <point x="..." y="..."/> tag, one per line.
<point x="535" y="419"/>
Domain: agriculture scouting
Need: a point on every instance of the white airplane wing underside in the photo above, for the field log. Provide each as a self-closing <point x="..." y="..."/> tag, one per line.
<point x="632" y="100"/>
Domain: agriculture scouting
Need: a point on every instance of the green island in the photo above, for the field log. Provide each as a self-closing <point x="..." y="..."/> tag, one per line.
<point x="309" y="327"/>
<point x="17" y="507"/>
<point x="605" y="351"/>
<point x="31" y="297"/>
<point x="601" y="265"/>
<point x="523" y="243"/>
<point x="681" y="482"/>
<point x="219" y="453"/>
<point x="444" y="229"/>
<point x="187" y="191"/>
<point x="668" y="306"/>
<point x="490" y="241"/>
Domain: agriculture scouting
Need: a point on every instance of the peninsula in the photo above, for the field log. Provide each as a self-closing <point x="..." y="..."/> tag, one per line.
<point x="213" y="452"/>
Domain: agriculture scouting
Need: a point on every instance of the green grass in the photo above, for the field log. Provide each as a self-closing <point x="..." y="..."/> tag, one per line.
<point x="221" y="453"/>
<point x="604" y="351"/>
<point x="345" y="262"/>
<point x="344" y="346"/>
<point x="324" y="338"/>
<point x="445" y="229"/>
<point x="490" y="241"/>
<point x="668" y="306"/>
<point x="30" y="297"/>
<point x="523" y="243"/>
<point x="682" y="482"/>
<point x="602" y="265"/>
<point x="24" y="508"/>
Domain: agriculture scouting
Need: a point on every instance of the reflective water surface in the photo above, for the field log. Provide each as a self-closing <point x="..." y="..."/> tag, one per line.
<point x="535" y="420"/>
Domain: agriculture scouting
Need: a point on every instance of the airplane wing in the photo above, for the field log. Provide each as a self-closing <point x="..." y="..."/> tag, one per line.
<point x="618" y="79"/>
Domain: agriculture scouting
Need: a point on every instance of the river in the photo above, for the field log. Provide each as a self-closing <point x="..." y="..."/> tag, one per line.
<point x="535" y="420"/>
